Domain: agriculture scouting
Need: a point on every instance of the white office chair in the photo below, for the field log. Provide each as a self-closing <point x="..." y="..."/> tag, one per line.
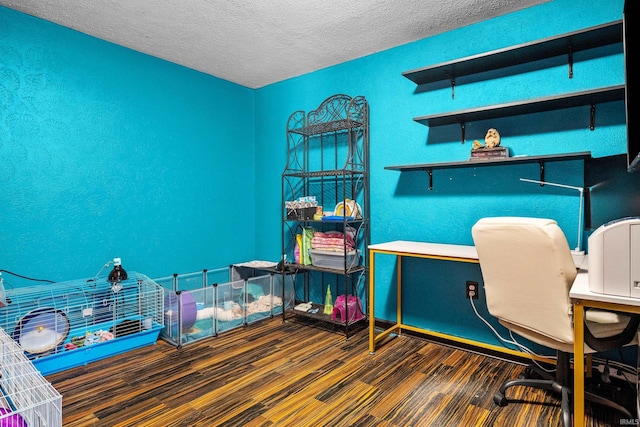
<point x="527" y="271"/>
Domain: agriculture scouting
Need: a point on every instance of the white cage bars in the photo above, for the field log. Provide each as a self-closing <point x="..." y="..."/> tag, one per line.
<point x="27" y="399"/>
<point x="67" y="324"/>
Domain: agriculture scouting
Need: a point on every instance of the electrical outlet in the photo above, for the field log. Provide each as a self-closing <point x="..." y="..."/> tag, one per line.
<point x="472" y="289"/>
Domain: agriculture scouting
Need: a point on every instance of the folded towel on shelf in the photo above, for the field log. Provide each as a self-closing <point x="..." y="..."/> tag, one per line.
<point x="332" y="241"/>
<point x="333" y="247"/>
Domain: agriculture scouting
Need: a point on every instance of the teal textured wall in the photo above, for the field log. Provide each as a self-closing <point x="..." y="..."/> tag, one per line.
<point x="108" y="152"/>
<point x="403" y="208"/>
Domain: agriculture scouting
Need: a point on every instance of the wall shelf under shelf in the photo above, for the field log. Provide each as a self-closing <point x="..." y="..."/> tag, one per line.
<point x="569" y="100"/>
<point x="541" y="160"/>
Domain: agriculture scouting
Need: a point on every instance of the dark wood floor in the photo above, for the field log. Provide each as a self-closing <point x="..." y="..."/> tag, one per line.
<point x="288" y="374"/>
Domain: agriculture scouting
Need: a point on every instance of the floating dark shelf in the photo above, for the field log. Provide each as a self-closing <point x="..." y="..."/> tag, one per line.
<point x="568" y="43"/>
<point x="585" y="155"/>
<point x="541" y="160"/>
<point x="576" y="99"/>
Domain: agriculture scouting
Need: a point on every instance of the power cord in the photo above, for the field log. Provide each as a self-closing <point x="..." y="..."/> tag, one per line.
<point x="92" y="282"/>
<point x="514" y="342"/>
<point x="26" y="278"/>
<point x="623" y="369"/>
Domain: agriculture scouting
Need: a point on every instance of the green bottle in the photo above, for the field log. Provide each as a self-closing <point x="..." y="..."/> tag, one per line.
<point x="328" y="301"/>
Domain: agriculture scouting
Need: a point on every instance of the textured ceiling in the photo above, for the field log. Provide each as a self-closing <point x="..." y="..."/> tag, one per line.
<point x="258" y="42"/>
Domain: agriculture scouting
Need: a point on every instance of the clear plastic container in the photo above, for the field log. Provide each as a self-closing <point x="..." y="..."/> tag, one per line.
<point x="329" y="259"/>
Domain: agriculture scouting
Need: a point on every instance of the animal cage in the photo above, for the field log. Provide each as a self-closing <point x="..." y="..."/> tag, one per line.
<point x="206" y="303"/>
<point x="67" y="324"/>
<point x="26" y="398"/>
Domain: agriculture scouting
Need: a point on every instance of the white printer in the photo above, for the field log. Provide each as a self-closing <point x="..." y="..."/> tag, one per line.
<point x="614" y="258"/>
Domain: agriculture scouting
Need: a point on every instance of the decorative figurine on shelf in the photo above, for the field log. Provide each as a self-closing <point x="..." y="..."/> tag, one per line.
<point x="492" y="139"/>
<point x="491" y="148"/>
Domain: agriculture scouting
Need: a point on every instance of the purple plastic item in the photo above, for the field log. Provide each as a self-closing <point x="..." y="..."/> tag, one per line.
<point x="189" y="310"/>
<point x="183" y="303"/>
<point x="7" y="419"/>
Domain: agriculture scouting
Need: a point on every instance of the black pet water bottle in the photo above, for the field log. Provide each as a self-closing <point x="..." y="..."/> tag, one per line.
<point x="118" y="274"/>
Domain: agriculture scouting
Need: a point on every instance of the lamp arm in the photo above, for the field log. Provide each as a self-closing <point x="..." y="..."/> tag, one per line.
<point x="579" y="189"/>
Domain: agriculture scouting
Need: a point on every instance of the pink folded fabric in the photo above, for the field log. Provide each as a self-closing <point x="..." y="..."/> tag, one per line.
<point x="332" y="248"/>
<point x="332" y="239"/>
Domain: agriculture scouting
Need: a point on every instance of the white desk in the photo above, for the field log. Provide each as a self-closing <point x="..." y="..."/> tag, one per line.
<point x="583" y="297"/>
<point x="438" y="251"/>
<point x="400" y="249"/>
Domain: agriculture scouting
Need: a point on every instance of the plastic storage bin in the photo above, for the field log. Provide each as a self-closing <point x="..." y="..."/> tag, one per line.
<point x="328" y="259"/>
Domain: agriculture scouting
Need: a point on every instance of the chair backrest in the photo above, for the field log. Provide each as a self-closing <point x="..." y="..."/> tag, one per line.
<point x="527" y="271"/>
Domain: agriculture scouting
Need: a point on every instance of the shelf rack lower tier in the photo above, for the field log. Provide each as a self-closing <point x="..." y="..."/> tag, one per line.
<point x="326" y="318"/>
<point x="299" y="268"/>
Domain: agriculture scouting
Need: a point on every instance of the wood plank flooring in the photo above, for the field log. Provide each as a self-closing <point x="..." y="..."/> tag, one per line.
<point x="289" y="374"/>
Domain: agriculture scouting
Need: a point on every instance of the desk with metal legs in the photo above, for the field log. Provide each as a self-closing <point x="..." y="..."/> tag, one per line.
<point x="401" y="248"/>
<point x="583" y="297"/>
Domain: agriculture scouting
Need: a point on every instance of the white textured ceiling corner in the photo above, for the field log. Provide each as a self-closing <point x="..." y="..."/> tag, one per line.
<point x="258" y="42"/>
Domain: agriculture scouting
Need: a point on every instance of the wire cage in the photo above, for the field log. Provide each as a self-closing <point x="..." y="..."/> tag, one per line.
<point x="206" y="303"/>
<point x="67" y="324"/>
<point x="26" y="398"/>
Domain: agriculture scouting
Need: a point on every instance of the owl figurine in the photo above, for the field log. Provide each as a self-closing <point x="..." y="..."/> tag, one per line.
<point x="492" y="139"/>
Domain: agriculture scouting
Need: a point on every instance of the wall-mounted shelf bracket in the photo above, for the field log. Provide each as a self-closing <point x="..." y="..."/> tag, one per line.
<point x="592" y="117"/>
<point x="529" y="106"/>
<point x="463" y="131"/>
<point x="576" y="41"/>
<point x="570" y="62"/>
<point x="541" y="160"/>
<point x="453" y="87"/>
